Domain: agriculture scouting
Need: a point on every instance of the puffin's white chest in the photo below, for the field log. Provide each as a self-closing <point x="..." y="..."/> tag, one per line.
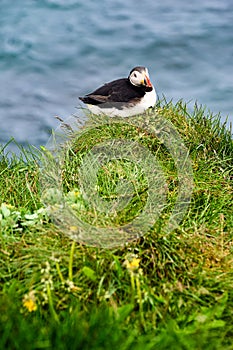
<point x="130" y="109"/>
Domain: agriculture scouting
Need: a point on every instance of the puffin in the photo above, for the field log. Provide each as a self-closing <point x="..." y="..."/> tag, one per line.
<point x="123" y="97"/>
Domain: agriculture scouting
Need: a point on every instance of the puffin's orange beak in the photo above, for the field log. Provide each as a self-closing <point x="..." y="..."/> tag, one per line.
<point x="147" y="81"/>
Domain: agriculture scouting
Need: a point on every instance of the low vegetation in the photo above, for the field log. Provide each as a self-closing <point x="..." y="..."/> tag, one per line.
<point x="159" y="291"/>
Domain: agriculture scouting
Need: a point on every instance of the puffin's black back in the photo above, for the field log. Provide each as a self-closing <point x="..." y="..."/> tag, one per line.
<point x="120" y="90"/>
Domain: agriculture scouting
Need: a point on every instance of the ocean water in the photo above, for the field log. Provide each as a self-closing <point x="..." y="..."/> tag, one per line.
<point x="52" y="51"/>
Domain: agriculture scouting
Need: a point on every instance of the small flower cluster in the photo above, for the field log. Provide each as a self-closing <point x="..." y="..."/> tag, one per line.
<point x="46" y="281"/>
<point x="132" y="263"/>
<point x="29" y="301"/>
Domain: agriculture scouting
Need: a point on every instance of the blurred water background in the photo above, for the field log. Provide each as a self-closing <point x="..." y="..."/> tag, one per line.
<point x="52" y="51"/>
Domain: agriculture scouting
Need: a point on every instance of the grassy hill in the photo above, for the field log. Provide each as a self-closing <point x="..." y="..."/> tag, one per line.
<point x="160" y="291"/>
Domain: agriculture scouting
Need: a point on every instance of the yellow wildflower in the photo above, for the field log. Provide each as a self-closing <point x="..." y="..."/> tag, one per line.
<point x="30" y="305"/>
<point x="29" y="301"/>
<point x="133" y="264"/>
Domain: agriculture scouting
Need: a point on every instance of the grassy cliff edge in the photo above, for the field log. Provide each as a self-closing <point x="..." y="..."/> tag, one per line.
<point x="158" y="292"/>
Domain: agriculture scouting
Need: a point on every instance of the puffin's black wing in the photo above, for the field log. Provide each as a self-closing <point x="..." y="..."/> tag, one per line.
<point x="120" y="90"/>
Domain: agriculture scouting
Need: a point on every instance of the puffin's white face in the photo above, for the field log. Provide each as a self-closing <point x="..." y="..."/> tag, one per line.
<point x="139" y="76"/>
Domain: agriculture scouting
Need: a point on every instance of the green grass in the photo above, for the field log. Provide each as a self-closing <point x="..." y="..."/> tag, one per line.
<point x="160" y="291"/>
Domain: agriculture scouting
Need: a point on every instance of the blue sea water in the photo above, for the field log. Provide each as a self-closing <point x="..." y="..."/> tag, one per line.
<point x="52" y="51"/>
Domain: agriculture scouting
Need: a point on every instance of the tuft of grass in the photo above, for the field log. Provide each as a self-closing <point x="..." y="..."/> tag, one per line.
<point x="159" y="292"/>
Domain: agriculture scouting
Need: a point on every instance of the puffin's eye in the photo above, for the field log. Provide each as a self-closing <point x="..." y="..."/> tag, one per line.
<point x="135" y="75"/>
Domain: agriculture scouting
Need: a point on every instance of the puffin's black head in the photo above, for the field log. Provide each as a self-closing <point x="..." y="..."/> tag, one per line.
<point x="139" y="76"/>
